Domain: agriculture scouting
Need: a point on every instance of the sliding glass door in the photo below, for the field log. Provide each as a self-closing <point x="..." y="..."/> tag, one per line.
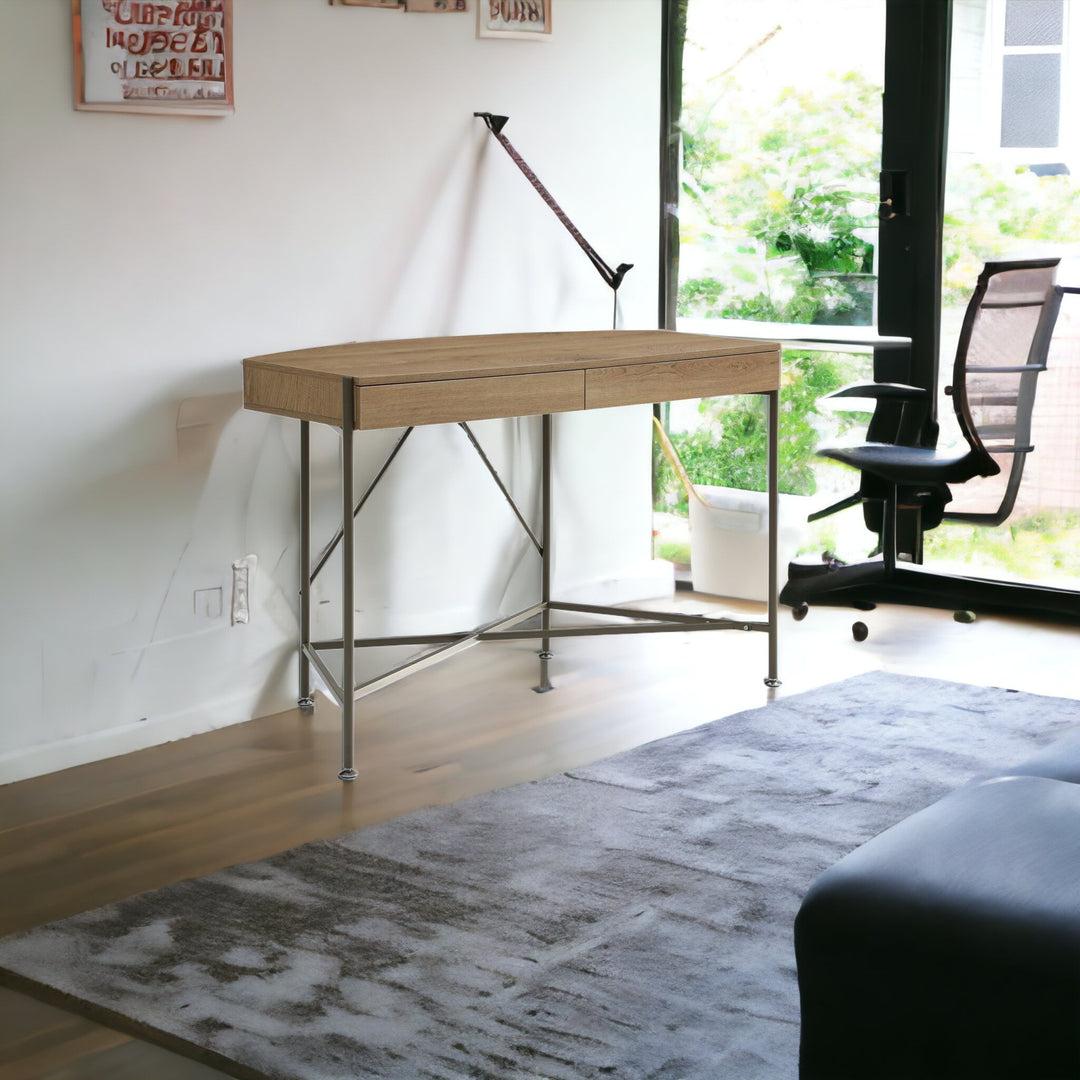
<point x="1013" y="191"/>
<point x="841" y="169"/>
<point x="773" y="227"/>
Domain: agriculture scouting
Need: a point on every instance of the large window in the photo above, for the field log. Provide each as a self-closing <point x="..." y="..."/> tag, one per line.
<point x="780" y="160"/>
<point x="1013" y="191"/>
<point x="777" y="224"/>
<point x="784" y="128"/>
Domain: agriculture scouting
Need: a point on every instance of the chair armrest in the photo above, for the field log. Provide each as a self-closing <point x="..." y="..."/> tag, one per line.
<point x="880" y="391"/>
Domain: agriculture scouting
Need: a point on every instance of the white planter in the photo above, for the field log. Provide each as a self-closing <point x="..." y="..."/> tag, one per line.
<point x="729" y="540"/>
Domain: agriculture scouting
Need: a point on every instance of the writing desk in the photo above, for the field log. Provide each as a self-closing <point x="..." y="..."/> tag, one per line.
<point x="404" y="383"/>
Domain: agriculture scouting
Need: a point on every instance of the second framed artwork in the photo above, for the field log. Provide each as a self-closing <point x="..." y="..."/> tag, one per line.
<point x="528" y="20"/>
<point x="408" y="5"/>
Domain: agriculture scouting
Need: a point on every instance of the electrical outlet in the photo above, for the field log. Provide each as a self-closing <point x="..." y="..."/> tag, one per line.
<point x="243" y="581"/>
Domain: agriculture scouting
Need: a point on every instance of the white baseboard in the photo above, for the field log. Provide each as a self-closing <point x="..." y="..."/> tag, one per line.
<point x="31" y="761"/>
<point x="652" y="579"/>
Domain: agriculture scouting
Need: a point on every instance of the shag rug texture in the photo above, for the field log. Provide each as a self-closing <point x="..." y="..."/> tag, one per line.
<point x="627" y="920"/>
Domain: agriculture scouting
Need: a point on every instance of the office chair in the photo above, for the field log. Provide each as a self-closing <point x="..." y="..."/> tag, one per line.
<point x="1003" y="346"/>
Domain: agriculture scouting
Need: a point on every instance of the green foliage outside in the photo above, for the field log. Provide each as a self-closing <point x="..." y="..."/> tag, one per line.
<point x="1044" y="546"/>
<point x="778" y="215"/>
<point x="676" y="553"/>
<point x="779" y="200"/>
<point x="992" y="211"/>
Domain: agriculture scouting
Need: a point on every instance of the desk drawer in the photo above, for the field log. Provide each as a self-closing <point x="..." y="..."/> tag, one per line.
<point x="673" y="380"/>
<point x="452" y="400"/>
<point x="307" y="397"/>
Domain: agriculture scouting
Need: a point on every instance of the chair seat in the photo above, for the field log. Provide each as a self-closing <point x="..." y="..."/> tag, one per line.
<point x="912" y="464"/>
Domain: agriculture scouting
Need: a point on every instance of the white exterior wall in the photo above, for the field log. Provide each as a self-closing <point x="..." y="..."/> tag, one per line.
<point x="352" y="196"/>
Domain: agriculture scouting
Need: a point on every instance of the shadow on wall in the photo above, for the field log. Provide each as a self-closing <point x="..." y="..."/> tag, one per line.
<point x="432" y="255"/>
<point x="482" y="238"/>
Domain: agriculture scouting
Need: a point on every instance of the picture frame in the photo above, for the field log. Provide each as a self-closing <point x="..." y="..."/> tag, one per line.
<point x="437" y="7"/>
<point x="524" y="20"/>
<point x="165" y="56"/>
<point x="440" y="7"/>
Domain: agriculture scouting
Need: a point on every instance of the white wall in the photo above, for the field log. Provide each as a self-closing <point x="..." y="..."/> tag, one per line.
<point x="352" y="196"/>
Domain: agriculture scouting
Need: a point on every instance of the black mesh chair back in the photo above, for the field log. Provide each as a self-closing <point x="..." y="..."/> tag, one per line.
<point x="1003" y="347"/>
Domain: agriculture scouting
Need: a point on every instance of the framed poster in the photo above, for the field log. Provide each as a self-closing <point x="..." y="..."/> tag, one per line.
<point x="524" y="19"/>
<point x="166" y="56"/>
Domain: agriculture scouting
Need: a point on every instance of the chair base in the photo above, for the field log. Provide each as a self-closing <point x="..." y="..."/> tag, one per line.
<point x="863" y="584"/>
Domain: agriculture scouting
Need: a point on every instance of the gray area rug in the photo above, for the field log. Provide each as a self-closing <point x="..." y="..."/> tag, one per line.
<point x="631" y="919"/>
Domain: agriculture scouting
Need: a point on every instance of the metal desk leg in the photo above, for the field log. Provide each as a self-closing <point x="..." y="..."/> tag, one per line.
<point x="545" y="557"/>
<point x="772" y="679"/>
<point x="305" y="701"/>
<point x="348" y="604"/>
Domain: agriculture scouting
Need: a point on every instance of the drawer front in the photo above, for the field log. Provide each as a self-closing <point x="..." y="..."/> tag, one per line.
<point x="307" y="397"/>
<point x="674" y="380"/>
<point x="453" y="400"/>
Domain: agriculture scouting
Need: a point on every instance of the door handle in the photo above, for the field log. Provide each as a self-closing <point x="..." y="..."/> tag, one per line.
<point x="893" y="187"/>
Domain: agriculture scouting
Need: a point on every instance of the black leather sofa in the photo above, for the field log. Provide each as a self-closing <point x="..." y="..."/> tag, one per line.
<point x="948" y="947"/>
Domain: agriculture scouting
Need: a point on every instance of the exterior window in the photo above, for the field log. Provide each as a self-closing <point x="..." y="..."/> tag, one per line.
<point x="1031" y="74"/>
<point x="1030" y="100"/>
<point x="1034" y="22"/>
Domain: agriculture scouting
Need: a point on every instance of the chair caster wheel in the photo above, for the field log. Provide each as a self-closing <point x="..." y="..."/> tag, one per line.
<point x="800" y="611"/>
<point x="860" y="631"/>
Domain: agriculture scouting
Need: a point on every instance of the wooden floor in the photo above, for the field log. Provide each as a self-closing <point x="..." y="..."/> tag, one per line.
<point x="86" y="836"/>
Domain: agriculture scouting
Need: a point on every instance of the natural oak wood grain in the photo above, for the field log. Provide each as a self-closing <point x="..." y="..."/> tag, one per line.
<point x="421" y="359"/>
<point x="51" y="1044"/>
<point x="96" y="833"/>
<point x="306" y="383"/>
<point x="675" y="380"/>
<point x="290" y="393"/>
<point x="450" y="401"/>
